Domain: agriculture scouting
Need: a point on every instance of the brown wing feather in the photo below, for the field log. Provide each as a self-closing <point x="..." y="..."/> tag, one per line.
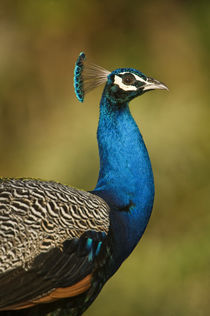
<point x="59" y="293"/>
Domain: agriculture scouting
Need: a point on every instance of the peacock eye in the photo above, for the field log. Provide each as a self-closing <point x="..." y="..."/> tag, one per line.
<point x="128" y="79"/>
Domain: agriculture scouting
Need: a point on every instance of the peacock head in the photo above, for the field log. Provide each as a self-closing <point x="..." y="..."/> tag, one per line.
<point x="122" y="85"/>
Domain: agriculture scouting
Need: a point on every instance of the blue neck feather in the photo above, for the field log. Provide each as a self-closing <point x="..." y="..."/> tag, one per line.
<point x="125" y="179"/>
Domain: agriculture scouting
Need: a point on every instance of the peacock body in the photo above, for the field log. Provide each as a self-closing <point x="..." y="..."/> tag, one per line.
<point x="59" y="245"/>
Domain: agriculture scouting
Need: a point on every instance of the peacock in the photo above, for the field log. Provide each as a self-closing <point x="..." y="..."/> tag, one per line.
<point x="59" y="245"/>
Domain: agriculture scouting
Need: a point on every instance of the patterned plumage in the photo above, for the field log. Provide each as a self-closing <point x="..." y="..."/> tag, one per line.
<point x="52" y="213"/>
<point x="59" y="245"/>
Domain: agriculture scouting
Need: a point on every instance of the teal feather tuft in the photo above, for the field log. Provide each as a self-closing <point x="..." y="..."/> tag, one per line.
<point x="87" y="77"/>
<point x="78" y="80"/>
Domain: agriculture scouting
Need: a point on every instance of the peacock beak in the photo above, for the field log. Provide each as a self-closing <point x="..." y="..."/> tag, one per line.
<point x="152" y="84"/>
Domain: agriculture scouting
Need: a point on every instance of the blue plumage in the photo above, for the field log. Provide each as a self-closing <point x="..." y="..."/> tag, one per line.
<point x="125" y="178"/>
<point x="103" y="226"/>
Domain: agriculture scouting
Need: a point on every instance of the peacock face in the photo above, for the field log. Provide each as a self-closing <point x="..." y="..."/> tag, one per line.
<point x="124" y="84"/>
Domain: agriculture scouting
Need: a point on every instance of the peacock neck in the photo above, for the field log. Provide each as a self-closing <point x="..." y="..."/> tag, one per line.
<point x="125" y="177"/>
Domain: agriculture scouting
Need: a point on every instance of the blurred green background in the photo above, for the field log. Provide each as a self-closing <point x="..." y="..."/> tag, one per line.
<point x="46" y="133"/>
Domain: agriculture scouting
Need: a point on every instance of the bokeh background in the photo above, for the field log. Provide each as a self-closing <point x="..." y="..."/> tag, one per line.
<point x="46" y="133"/>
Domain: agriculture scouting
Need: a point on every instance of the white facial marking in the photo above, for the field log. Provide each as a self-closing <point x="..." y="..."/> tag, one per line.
<point x="118" y="81"/>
